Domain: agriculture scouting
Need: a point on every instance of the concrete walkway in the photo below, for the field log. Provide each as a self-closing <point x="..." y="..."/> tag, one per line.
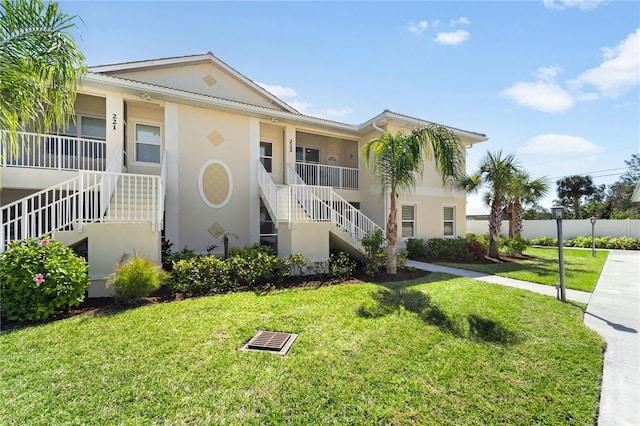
<point x="613" y="311"/>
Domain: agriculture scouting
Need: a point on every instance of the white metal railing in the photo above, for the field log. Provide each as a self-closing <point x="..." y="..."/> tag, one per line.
<point x="325" y="175"/>
<point x="269" y="190"/>
<point x="52" y="152"/>
<point x="90" y="197"/>
<point x="322" y="204"/>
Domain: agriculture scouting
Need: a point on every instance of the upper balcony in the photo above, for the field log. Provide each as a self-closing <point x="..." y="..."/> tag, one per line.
<point x="53" y="152"/>
<point x="326" y="175"/>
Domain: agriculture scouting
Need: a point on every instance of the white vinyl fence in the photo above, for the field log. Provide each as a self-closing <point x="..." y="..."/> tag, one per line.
<point x="571" y="228"/>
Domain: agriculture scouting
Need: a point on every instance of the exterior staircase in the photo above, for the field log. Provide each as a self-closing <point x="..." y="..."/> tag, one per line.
<point x="90" y="197"/>
<point x="298" y="202"/>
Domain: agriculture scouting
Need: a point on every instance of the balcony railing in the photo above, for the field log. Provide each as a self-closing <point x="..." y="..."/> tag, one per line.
<point x="52" y="152"/>
<point x="324" y="175"/>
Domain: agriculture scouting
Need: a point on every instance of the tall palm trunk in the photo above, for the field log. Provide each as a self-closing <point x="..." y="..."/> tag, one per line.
<point x="495" y="226"/>
<point x="518" y="213"/>
<point x="392" y="235"/>
<point x="511" y="220"/>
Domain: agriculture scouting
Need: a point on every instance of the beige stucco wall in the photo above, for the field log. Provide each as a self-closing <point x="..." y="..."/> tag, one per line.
<point x="192" y="78"/>
<point x="107" y="242"/>
<point x="90" y="105"/>
<point x="231" y="147"/>
<point x="275" y="134"/>
<point x="309" y="239"/>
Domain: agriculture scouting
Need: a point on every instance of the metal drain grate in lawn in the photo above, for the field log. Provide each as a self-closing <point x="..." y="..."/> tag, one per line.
<point x="271" y="341"/>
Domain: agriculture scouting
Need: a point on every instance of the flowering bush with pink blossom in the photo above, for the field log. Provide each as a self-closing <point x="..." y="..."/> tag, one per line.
<point x="39" y="277"/>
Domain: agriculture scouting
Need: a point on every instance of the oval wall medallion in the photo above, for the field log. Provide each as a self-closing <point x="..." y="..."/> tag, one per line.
<point x="215" y="184"/>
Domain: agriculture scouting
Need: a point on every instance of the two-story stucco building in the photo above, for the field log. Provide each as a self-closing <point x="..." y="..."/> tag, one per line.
<point x="190" y="148"/>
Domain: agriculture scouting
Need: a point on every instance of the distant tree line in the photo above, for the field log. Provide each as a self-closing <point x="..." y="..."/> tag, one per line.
<point x="583" y="199"/>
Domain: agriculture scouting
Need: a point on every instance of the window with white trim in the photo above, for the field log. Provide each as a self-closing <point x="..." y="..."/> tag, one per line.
<point x="408" y="215"/>
<point x="307" y="155"/>
<point x="87" y="127"/>
<point x="147" y="140"/>
<point x="266" y="155"/>
<point x="449" y="221"/>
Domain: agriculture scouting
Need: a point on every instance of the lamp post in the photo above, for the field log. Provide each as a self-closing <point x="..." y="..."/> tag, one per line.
<point x="558" y="215"/>
<point x="593" y="234"/>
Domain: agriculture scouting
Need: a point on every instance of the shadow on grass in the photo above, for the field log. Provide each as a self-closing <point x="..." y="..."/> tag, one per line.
<point x="386" y="301"/>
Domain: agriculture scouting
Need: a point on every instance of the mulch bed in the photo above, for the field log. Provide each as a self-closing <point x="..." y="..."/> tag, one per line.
<point x="107" y="305"/>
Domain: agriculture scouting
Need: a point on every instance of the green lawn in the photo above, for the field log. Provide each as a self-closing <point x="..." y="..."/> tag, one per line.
<point x="581" y="269"/>
<point x="438" y="350"/>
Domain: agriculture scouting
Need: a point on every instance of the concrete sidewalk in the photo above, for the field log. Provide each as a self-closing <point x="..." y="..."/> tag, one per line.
<point x="578" y="296"/>
<point x="613" y="311"/>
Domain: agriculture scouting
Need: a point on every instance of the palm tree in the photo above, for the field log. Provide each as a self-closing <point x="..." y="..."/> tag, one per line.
<point x="523" y="190"/>
<point x="398" y="162"/>
<point x="495" y="172"/>
<point x="574" y="187"/>
<point x="40" y="66"/>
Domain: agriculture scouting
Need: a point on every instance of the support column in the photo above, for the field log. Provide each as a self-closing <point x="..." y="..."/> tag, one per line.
<point x="172" y="149"/>
<point x="115" y="124"/>
<point x="254" y="196"/>
<point x="289" y="150"/>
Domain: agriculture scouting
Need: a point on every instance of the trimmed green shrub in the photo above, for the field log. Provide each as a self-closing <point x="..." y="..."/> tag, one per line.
<point x="39" y="277"/>
<point x="168" y="258"/>
<point x="514" y="246"/>
<point x="200" y="275"/>
<point x="544" y="241"/>
<point x="341" y="266"/>
<point x="135" y="278"/>
<point x="416" y="248"/>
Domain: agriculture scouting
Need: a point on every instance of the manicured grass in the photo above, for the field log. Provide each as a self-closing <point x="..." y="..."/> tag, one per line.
<point x="581" y="269"/>
<point x="438" y="350"/>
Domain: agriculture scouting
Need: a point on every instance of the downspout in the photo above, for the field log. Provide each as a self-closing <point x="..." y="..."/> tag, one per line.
<point x="384" y="194"/>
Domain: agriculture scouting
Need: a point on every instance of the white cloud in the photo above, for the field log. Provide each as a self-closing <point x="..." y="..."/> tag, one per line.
<point x="580" y="4"/>
<point x="454" y="37"/>
<point x="560" y="145"/>
<point x="541" y="95"/>
<point x="419" y="27"/>
<point x="559" y="155"/>
<point x="548" y="73"/>
<point x="302" y="107"/>
<point x="619" y="72"/>
<point x="278" y="91"/>
<point x="460" y="21"/>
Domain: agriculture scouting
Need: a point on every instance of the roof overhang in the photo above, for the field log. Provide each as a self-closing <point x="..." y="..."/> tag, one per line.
<point x="137" y="88"/>
<point x="189" y="60"/>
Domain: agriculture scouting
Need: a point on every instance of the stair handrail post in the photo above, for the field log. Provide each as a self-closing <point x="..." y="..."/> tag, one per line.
<point x="59" y="151"/>
<point x="80" y="200"/>
<point x="24" y="221"/>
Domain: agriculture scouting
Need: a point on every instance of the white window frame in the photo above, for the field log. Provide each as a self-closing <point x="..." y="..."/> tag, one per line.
<point x="452" y="221"/>
<point x="78" y="126"/>
<point x="414" y="221"/>
<point x="304" y="154"/>
<point x="135" y="141"/>
<point x="262" y="141"/>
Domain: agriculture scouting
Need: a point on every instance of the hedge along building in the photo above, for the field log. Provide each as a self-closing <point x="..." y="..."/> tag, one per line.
<point x="191" y="148"/>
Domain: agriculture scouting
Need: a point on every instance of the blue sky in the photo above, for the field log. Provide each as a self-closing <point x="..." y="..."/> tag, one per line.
<point x="554" y="82"/>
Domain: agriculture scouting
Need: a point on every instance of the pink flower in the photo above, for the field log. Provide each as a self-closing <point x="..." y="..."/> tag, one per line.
<point x="38" y="279"/>
<point x="44" y="241"/>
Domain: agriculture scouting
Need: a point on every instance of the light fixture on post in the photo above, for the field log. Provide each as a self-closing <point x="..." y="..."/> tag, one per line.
<point x="593" y="234"/>
<point x="558" y="215"/>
